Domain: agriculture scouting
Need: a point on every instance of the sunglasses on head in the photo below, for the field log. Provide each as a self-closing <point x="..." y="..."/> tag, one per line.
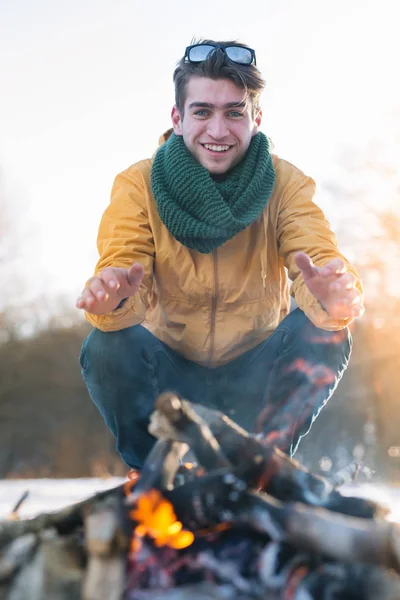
<point x="237" y="54"/>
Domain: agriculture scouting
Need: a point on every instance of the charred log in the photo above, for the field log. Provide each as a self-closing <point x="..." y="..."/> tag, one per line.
<point x="193" y="430"/>
<point x="260" y="525"/>
<point x="64" y="521"/>
<point x="200" y="591"/>
<point x="260" y="467"/>
<point x="221" y="498"/>
<point x="161" y="466"/>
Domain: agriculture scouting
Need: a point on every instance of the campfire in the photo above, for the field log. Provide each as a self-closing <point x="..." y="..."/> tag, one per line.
<point x="244" y="521"/>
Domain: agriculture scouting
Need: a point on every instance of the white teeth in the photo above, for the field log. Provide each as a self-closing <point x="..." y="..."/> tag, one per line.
<point x="216" y="148"/>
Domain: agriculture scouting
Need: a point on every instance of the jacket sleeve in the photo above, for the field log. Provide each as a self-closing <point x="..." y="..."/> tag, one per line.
<point x="125" y="237"/>
<point x="303" y="227"/>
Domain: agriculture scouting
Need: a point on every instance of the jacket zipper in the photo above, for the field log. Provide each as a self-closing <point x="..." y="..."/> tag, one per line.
<point x="213" y="307"/>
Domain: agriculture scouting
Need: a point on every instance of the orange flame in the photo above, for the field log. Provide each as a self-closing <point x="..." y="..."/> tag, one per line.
<point x="156" y="518"/>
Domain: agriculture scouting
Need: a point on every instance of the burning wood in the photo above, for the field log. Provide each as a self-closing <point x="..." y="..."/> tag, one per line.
<point x="193" y="429"/>
<point x="156" y="519"/>
<point x="247" y="523"/>
<point x="161" y="466"/>
<point x="262" y="468"/>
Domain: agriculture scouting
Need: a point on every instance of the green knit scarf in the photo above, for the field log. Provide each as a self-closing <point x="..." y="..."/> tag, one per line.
<point x="203" y="213"/>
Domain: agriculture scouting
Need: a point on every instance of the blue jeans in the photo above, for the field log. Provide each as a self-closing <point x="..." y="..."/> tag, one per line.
<point x="276" y="389"/>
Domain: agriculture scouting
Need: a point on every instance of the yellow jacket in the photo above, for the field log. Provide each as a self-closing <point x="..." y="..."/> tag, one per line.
<point x="213" y="307"/>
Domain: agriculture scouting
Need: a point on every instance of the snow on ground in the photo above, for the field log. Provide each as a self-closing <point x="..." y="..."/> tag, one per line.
<point x="47" y="495"/>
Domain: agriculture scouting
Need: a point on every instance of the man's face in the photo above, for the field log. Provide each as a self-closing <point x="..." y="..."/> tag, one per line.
<point x="217" y="125"/>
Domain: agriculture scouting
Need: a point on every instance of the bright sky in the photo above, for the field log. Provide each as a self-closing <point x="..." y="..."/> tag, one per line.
<point x="86" y="90"/>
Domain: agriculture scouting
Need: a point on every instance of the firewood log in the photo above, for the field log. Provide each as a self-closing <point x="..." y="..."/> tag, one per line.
<point x="193" y="429"/>
<point x="218" y="497"/>
<point x="160" y="467"/>
<point x="104" y="578"/>
<point x="105" y="574"/>
<point x="310" y="576"/>
<point x="261" y="467"/>
<point x="247" y="485"/>
<point x="16" y="554"/>
<point x="198" y="591"/>
<point x="64" y="521"/>
<point x="332" y="581"/>
<point x="54" y="572"/>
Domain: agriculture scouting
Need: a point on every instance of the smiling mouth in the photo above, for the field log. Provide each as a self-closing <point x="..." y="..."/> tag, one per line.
<point x="217" y="148"/>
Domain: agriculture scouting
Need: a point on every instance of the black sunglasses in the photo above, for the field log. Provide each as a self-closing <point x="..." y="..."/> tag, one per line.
<point x="237" y="54"/>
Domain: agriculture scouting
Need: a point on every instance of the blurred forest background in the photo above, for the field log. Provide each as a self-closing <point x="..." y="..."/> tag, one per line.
<point x="49" y="427"/>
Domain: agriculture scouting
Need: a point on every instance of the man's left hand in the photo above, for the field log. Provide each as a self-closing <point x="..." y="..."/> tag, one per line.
<point x="333" y="286"/>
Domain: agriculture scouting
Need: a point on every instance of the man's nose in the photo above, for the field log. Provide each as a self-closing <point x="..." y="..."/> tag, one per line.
<point x="217" y="128"/>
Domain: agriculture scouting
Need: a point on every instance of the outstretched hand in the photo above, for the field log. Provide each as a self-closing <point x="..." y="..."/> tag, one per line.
<point x="333" y="286"/>
<point x="105" y="291"/>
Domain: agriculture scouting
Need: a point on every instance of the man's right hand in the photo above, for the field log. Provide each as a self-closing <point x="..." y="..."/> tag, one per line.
<point x="105" y="291"/>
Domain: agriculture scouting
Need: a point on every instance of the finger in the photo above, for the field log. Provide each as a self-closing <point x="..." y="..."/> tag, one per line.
<point x="351" y="297"/>
<point x="355" y="297"/>
<point x="343" y="282"/>
<point x="305" y="264"/>
<point x="80" y="302"/>
<point x="335" y="267"/>
<point x="357" y="310"/>
<point x="86" y="300"/>
<point x="98" y="288"/>
<point x="135" y="275"/>
<point x="351" y="305"/>
<point x="113" y="277"/>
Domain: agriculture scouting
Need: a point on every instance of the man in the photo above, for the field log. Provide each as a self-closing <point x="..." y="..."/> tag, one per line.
<point x="190" y="292"/>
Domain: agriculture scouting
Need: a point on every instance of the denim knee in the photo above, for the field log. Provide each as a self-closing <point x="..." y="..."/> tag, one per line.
<point x="103" y="348"/>
<point x="315" y="343"/>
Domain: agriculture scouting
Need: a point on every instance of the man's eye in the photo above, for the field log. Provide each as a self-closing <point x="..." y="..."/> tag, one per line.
<point x="201" y="113"/>
<point x="235" y="113"/>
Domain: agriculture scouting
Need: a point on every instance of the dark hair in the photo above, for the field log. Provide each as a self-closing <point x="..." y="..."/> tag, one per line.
<point x="218" y="66"/>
